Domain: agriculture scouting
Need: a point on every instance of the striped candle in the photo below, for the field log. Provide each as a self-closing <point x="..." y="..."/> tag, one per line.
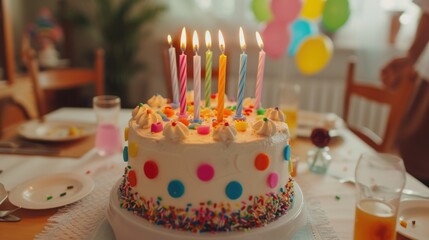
<point x="197" y="78"/>
<point x="173" y="72"/>
<point x="260" y="74"/>
<point x="221" y="80"/>
<point x="183" y="76"/>
<point x="209" y="60"/>
<point x="241" y="78"/>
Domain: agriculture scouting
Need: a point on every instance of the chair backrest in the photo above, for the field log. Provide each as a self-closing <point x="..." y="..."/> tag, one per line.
<point x="67" y="78"/>
<point x="395" y="101"/>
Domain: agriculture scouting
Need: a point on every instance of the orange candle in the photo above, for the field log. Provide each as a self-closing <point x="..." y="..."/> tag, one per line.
<point x="221" y="80"/>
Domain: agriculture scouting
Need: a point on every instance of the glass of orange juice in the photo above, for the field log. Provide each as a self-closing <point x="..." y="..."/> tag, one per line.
<point x="288" y="102"/>
<point x="380" y="179"/>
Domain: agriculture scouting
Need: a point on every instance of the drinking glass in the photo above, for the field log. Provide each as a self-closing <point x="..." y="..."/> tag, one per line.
<point x="288" y="102"/>
<point x="107" y="109"/>
<point x="380" y="179"/>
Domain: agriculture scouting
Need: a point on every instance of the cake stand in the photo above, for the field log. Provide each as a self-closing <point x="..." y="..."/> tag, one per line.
<point x="127" y="225"/>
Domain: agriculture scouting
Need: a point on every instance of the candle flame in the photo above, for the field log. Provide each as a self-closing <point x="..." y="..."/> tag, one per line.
<point x="183" y="40"/>
<point x="195" y="41"/>
<point x="221" y="42"/>
<point x="259" y="40"/>
<point x="208" y="40"/>
<point x="242" y="41"/>
<point x="169" y="39"/>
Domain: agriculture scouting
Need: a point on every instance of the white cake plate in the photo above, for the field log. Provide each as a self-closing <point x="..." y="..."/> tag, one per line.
<point x="127" y="225"/>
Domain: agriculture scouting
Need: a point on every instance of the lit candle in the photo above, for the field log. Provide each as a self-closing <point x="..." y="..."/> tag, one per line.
<point x="209" y="54"/>
<point x="173" y="72"/>
<point x="260" y="75"/>
<point x="197" y="78"/>
<point x="221" y="80"/>
<point x="183" y="76"/>
<point x="241" y="77"/>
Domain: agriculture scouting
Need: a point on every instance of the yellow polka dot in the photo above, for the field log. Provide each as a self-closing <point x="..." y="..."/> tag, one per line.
<point x="132" y="149"/>
<point x="291" y="167"/>
<point x="126" y="134"/>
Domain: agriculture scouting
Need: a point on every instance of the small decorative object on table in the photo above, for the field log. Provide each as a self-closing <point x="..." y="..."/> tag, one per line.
<point x="319" y="158"/>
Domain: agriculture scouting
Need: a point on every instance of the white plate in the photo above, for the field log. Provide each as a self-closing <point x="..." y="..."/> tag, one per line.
<point x="56" y="131"/>
<point x="34" y="193"/>
<point x="414" y="210"/>
<point x="307" y="121"/>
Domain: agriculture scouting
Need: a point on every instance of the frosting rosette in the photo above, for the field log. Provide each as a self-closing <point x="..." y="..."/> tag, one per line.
<point x="157" y="101"/>
<point x="275" y="114"/>
<point x="139" y="110"/>
<point x="247" y="102"/>
<point x="175" y="131"/>
<point x="225" y="133"/>
<point x="265" y="127"/>
<point x="148" y="118"/>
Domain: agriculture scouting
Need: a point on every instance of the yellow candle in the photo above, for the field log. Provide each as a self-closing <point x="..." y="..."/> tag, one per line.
<point x="221" y="80"/>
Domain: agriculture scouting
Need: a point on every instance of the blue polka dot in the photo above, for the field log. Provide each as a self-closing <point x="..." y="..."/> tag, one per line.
<point x="176" y="189"/>
<point x="233" y="190"/>
<point x="286" y="152"/>
<point x="125" y="154"/>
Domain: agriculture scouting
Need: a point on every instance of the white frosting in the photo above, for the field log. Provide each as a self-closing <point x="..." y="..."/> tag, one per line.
<point x="247" y="102"/>
<point x="224" y="133"/>
<point x="149" y="118"/>
<point x="275" y="114"/>
<point x="139" y="110"/>
<point x="175" y="131"/>
<point x="265" y="127"/>
<point x="157" y="101"/>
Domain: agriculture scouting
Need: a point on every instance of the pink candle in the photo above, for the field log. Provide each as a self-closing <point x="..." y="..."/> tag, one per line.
<point x="183" y="76"/>
<point x="197" y="78"/>
<point x="260" y="75"/>
<point x="173" y="72"/>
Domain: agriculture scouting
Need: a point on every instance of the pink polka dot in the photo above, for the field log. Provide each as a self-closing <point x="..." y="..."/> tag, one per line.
<point x="132" y="178"/>
<point x="205" y="172"/>
<point x="150" y="169"/>
<point x="273" y="180"/>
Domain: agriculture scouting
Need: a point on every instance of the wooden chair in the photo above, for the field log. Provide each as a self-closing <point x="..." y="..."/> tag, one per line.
<point x="190" y="53"/>
<point x="12" y="112"/>
<point x="396" y="102"/>
<point x="60" y="79"/>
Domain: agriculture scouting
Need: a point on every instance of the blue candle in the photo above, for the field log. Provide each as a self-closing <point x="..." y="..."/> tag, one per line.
<point x="241" y="78"/>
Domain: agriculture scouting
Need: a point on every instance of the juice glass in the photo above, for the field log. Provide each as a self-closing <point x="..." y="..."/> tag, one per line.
<point x="380" y="179"/>
<point x="288" y="102"/>
<point x="108" y="138"/>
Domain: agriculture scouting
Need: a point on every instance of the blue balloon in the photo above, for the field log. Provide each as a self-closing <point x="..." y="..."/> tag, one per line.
<point x="300" y="29"/>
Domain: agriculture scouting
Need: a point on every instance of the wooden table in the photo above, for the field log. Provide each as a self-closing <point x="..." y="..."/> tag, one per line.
<point x="33" y="221"/>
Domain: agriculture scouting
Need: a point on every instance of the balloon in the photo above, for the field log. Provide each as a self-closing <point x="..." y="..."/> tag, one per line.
<point x="261" y="9"/>
<point x="314" y="54"/>
<point x="276" y="39"/>
<point x="285" y="10"/>
<point x="312" y="9"/>
<point x="335" y="14"/>
<point x="300" y="29"/>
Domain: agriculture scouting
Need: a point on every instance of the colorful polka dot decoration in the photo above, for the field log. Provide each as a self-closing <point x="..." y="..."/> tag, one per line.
<point x="273" y="180"/>
<point x="132" y="149"/>
<point x="262" y="161"/>
<point x="205" y="172"/>
<point x="125" y="154"/>
<point x="286" y="152"/>
<point x="126" y="131"/>
<point x="132" y="178"/>
<point x="257" y="211"/>
<point x="176" y="189"/>
<point x="150" y="169"/>
<point x="233" y="190"/>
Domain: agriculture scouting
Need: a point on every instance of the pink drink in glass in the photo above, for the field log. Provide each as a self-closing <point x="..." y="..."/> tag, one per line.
<point x="108" y="139"/>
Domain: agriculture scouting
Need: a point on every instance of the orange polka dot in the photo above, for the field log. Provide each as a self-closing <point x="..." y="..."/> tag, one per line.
<point x="132" y="178"/>
<point x="262" y="161"/>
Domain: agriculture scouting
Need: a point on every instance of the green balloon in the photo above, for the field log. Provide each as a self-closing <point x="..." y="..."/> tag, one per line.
<point x="335" y="14"/>
<point x="262" y="10"/>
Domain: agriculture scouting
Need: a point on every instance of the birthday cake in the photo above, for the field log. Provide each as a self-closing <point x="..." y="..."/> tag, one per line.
<point x="206" y="175"/>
